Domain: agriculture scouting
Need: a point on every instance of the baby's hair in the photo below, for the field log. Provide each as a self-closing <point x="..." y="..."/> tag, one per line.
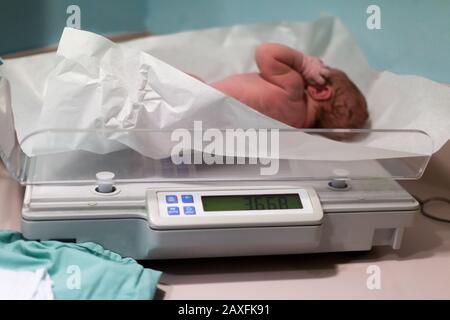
<point x="348" y="105"/>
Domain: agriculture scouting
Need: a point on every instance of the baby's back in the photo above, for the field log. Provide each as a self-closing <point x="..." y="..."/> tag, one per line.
<point x="265" y="97"/>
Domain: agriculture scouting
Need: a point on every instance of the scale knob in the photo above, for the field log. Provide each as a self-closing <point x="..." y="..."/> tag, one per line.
<point x="339" y="180"/>
<point x="105" y="182"/>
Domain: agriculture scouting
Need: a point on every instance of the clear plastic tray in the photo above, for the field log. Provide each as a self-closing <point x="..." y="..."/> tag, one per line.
<point x="74" y="156"/>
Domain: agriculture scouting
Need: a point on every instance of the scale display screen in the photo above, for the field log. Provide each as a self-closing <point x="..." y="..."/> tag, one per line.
<point x="252" y="202"/>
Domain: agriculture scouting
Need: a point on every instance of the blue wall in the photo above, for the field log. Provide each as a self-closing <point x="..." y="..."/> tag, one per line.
<point x="26" y="24"/>
<point x="414" y="39"/>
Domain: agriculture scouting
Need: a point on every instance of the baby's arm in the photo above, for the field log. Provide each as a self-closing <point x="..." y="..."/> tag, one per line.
<point x="279" y="63"/>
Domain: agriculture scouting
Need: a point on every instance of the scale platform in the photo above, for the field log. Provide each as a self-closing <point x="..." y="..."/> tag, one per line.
<point x="150" y="208"/>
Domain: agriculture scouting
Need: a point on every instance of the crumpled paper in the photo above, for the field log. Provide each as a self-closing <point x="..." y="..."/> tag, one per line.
<point x="7" y="137"/>
<point x="142" y="84"/>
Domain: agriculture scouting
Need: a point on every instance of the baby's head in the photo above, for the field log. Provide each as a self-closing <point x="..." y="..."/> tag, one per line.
<point x="337" y="104"/>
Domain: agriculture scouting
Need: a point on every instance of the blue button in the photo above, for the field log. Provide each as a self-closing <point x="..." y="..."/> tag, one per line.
<point x="171" y="199"/>
<point x="189" y="210"/>
<point x="187" y="198"/>
<point x="173" y="211"/>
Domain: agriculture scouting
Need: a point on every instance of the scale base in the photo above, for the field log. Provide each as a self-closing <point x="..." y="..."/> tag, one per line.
<point x="369" y="213"/>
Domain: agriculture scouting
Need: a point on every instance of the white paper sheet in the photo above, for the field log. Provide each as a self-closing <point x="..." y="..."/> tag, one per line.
<point x="7" y="138"/>
<point x="25" y="285"/>
<point x="93" y="83"/>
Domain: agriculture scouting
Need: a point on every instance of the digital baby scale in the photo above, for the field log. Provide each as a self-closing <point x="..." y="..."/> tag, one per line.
<point x="150" y="208"/>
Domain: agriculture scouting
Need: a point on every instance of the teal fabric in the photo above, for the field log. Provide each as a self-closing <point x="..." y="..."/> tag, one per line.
<point x="103" y="274"/>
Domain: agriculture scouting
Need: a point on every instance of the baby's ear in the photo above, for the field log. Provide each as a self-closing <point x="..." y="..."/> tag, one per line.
<point x="320" y="93"/>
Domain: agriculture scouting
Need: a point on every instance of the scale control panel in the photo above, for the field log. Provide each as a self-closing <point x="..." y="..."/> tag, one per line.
<point x="230" y="207"/>
<point x="175" y="204"/>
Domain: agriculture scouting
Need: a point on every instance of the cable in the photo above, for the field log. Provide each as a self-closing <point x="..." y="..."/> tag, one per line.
<point x="427" y="214"/>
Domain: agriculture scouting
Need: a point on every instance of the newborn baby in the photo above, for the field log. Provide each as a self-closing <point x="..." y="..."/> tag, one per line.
<point x="298" y="90"/>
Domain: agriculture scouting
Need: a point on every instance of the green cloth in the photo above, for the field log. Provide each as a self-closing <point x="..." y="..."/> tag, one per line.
<point x="99" y="273"/>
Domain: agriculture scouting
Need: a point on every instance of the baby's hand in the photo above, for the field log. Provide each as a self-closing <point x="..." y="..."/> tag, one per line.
<point x="314" y="71"/>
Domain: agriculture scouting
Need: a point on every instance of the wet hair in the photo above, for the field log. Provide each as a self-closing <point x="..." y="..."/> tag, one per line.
<point x="348" y="106"/>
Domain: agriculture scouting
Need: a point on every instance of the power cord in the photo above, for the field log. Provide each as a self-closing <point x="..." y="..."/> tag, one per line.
<point x="427" y="202"/>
